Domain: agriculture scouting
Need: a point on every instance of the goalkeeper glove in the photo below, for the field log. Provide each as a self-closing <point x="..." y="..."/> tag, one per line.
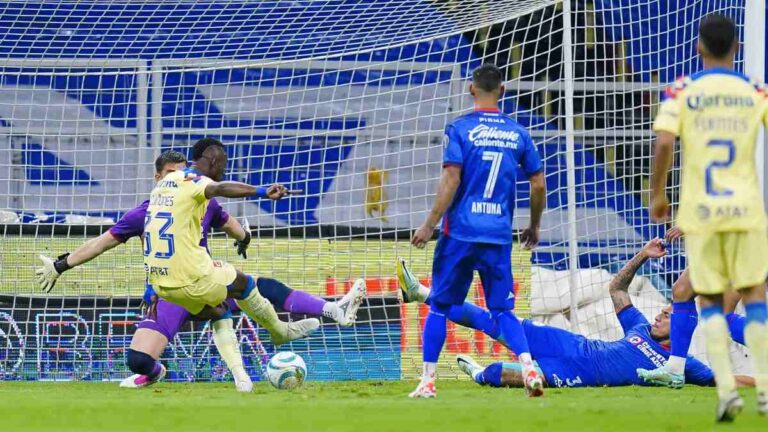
<point x="242" y="245"/>
<point x="50" y="271"/>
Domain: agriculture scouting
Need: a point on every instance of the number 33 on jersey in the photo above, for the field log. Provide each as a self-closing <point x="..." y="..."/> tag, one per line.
<point x="173" y="256"/>
<point x="717" y="115"/>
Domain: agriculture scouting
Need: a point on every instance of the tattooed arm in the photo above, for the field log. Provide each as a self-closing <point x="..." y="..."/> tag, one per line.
<point x="620" y="283"/>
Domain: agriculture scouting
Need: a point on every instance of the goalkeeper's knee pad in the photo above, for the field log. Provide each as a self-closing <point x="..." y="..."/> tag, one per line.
<point x="139" y="362"/>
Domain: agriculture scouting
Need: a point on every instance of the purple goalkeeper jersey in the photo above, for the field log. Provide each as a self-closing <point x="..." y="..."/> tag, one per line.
<point x="132" y="223"/>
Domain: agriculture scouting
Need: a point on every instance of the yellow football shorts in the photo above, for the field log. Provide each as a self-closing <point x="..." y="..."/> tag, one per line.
<point x="720" y="261"/>
<point x="210" y="290"/>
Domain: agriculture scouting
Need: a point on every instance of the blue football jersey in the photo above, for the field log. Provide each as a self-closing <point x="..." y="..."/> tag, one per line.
<point x="616" y="362"/>
<point x="490" y="147"/>
<point x="571" y="360"/>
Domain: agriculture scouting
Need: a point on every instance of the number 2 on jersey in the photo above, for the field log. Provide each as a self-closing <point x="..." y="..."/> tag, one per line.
<point x="719" y="164"/>
<point x="490" y="184"/>
<point x="163" y="234"/>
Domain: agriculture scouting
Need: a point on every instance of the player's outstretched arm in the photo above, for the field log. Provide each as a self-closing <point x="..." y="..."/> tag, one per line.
<point x="51" y="270"/>
<point x="446" y="191"/>
<point x="619" y="285"/>
<point x="233" y="189"/>
<point x="662" y="162"/>
<point x="530" y="236"/>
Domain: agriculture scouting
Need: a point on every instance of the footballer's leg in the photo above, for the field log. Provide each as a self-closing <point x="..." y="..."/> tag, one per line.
<point x="411" y="289"/>
<point x="149" y="342"/>
<point x="343" y="311"/>
<point x="467" y="314"/>
<point x="494" y="266"/>
<point x="452" y="269"/>
<point x="499" y="374"/>
<point x="683" y="323"/>
<point x="710" y="257"/>
<point x="226" y="342"/>
<point x="756" y="338"/>
<point x="252" y="303"/>
<point x="749" y="268"/>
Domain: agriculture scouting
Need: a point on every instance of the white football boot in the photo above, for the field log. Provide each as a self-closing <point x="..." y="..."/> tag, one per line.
<point x="346" y="308"/>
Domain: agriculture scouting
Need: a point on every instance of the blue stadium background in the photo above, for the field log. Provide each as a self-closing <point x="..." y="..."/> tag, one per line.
<point x="133" y="30"/>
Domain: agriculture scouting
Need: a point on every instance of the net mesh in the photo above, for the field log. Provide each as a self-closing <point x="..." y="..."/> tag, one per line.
<point x="346" y="101"/>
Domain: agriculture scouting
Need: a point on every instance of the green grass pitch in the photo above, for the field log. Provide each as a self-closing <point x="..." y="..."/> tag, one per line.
<point x="358" y="407"/>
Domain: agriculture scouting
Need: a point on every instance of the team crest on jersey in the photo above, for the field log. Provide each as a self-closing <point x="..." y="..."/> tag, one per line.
<point x="192" y="176"/>
<point x="677" y="87"/>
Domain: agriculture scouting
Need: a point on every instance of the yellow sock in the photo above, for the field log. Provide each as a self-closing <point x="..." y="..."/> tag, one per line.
<point x="225" y="339"/>
<point x="261" y="311"/>
<point x="756" y="337"/>
<point x="226" y="342"/>
<point x="718" y="352"/>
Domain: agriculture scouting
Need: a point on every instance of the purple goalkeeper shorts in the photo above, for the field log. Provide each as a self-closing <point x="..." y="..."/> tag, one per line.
<point x="170" y="317"/>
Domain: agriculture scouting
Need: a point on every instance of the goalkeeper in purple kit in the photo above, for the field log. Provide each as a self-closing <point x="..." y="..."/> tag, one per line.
<point x="163" y="320"/>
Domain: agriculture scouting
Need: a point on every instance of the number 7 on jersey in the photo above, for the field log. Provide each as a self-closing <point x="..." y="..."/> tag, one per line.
<point x="493" y="175"/>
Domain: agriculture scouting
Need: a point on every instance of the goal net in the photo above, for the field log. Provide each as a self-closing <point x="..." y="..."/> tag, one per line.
<point x="346" y="101"/>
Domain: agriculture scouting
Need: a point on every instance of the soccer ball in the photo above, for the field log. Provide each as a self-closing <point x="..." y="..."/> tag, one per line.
<point x="286" y="370"/>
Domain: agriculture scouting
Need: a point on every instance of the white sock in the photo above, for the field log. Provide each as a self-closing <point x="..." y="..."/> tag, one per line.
<point x="675" y="365"/>
<point x="422" y="294"/>
<point x="225" y="339"/>
<point x="476" y="372"/>
<point x="756" y="337"/>
<point x="430" y="372"/>
<point x="526" y="362"/>
<point x="718" y="341"/>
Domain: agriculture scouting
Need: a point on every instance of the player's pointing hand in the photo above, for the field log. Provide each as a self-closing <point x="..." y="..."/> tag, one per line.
<point x="278" y="191"/>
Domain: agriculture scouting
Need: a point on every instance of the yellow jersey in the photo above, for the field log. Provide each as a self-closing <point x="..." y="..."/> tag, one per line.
<point x="173" y="256"/>
<point x="717" y="115"/>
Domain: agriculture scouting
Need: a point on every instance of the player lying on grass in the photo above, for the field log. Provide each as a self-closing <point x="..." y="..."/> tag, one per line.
<point x="571" y="360"/>
<point x="683" y="322"/>
<point x="163" y="320"/>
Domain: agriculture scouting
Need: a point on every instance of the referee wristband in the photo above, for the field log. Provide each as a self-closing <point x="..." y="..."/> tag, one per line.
<point x="261" y="192"/>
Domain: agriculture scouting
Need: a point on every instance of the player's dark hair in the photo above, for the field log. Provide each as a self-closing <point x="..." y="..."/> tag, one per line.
<point x="717" y="33"/>
<point x="487" y="77"/>
<point x="169" y="157"/>
<point x="202" y="144"/>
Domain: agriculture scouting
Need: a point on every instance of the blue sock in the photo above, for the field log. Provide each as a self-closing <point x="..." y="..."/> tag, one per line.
<point x="434" y="332"/>
<point x="682" y="325"/>
<point x="736" y="324"/>
<point x="491" y="375"/>
<point x="511" y="331"/>
<point x="756" y="312"/>
<point x="473" y="316"/>
<point x="249" y="288"/>
<point x="710" y="311"/>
